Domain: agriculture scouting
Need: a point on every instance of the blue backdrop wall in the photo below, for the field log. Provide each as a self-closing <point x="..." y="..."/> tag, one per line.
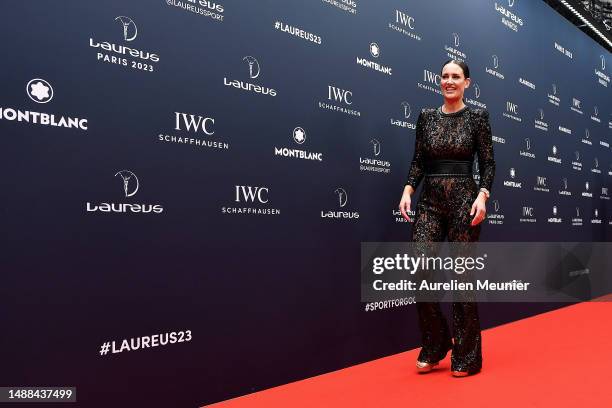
<point x="209" y="169"/>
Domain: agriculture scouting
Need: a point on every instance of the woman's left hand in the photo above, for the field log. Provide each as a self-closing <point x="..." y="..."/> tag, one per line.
<point x="479" y="209"/>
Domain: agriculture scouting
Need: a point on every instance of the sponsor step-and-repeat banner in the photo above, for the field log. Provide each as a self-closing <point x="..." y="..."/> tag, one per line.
<point x="187" y="183"/>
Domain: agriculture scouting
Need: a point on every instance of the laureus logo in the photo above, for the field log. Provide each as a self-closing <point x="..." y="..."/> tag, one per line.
<point x="407" y="111"/>
<point x="254" y="71"/>
<point x="603" y="62"/>
<point x="130" y="31"/>
<point x="376" y="146"/>
<point x="130" y="182"/>
<point x="130" y="186"/>
<point x="342" y="196"/>
<point x="39" y="90"/>
<point x="254" y="68"/>
<point x="510" y="3"/>
<point x="456" y="39"/>
<point x="495" y="61"/>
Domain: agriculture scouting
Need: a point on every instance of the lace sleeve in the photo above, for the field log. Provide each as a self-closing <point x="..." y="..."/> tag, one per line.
<point x="415" y="174"/>
<point x="484" y="149"/>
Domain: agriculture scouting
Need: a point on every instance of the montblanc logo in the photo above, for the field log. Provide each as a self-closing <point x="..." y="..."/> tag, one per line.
<point x="587" y="138"/>
<point x="452" y="51"/>
<point x="374" y="164"/>
<point x="494" y="71"/>
<point x="541" y="184"/>
<point x="254" y="70"/>
<point x="512" y="183"/>
<point x="130" y="31"/>
<point x="341" y="200"/>
<point x="554" y="219"/>
<point x="495" y="217"/>
<point x="41" y="92"/>
<point x="526" y="152"/>
<point x="204" y="8"/>
<point x="539" y="122"/>
<point x="512" y="111"/>
<point x="508" y="18"/>
<point x="577" y="106"/>
<point x="406" y="113"/>
<point x="299" y="137"/>
<point x="254" y="200"/>
<point x="554" y="157"/>
<point x="340" y="100"/>
<point x="129" y="186"/>
<point x="202" y="127"/>
<point x="552" y="97"/>
<point x="586" y="192"/>
<point x="564" y="191"/>
<point x="577" y="164"/>
<point x="528" y="214"/>
<point x="602" y="78"/>
<point x="122" y="55"/>
<point x="374" y="52"/>
<point x="404" y="24"/>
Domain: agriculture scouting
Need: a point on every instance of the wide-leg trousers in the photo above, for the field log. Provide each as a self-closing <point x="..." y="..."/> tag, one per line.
<point x="443" y="212"/>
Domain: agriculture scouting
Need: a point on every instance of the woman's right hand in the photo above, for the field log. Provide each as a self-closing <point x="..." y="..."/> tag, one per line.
<point x="404" y="205"/>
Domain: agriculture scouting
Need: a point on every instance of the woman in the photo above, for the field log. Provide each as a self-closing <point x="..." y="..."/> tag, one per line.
<point x="450" y="206"/>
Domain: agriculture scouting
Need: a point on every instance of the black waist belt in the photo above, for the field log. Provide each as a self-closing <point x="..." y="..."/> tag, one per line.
<point x="448" y="168"/>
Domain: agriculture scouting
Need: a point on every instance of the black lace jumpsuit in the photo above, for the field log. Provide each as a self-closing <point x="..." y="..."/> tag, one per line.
<point x="443" y="211"/>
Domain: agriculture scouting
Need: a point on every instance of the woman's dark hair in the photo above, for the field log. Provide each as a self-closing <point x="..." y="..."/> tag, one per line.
<point x="463" y="65"/>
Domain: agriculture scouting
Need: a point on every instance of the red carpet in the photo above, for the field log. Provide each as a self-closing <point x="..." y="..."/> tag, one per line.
<point x="561" y="358"/>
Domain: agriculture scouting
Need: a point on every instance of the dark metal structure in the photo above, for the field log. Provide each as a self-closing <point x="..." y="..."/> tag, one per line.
<point x="594" y="17"/>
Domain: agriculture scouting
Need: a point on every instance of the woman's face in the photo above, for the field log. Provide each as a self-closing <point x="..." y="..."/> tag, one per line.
<point x="453" y="82"/>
